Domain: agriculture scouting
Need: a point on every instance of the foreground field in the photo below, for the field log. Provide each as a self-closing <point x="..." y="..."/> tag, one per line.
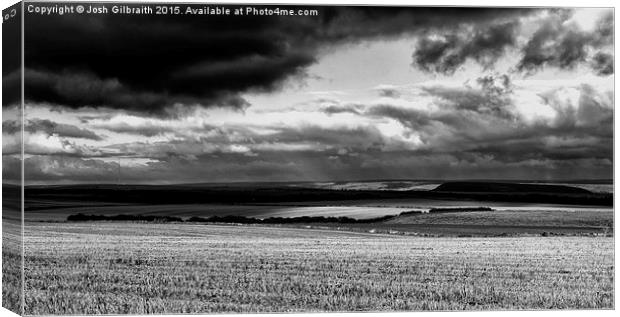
<point x="11" y="262"/>
<point x="87" y="268"/>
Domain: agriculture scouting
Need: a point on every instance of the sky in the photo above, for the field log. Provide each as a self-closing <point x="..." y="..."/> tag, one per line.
<point x="354" y="93"/>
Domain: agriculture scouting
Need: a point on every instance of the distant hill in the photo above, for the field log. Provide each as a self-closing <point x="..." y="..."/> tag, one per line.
<point x="68" y="195"/>
<point x="491" y="187"/>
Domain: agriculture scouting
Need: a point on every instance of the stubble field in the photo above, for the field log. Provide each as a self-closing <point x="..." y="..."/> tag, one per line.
<point x="109" y="268"/>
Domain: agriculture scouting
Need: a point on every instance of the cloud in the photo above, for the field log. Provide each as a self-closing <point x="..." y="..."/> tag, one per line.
<point x="45" y="137"/>
<point x="564" y="45"/>
<point x="150" y="90"/>
<point x="340" y="108"/>
<point x="445" y="53"/>
<point x="147" y="63"/>
<point x="236" y="140"/>
<point x="492" y="97"/>
<point x="604" y="32"/>
<point x="60" y="168"/>
<point x="44" y="144"/>
<point x="11" y="60"/>
<point x="361" y="138"/>
<point x="412" y="118"/>
<point x="50" y="128"/>
<point x="134" y="126"/>
<point x="556" y="42"/>
<point x="388" y="91"/>
<point x="589" y="112"/>
<point x="476" y="129"/>
<point x="306" y="165"/>
<point x="11" y="86"/>
<point x="603" y="64"/>
<point x="485" y="122"/>
<point x="84" y="89"/>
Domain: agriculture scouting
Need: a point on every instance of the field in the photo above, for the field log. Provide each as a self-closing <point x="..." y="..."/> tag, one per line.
<point x="11" y="252"/>
<point x="534" y="250"/>
<point x="505" y="219"/>
<point x="510" y="222"/>
<point x="104" y="267"/>
<point x="11" y="265"/>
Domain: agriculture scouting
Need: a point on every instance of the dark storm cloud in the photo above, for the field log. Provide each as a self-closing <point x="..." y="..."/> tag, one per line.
<point x="554" y="46"/>
<point x="445" y="53"/>
<point x="564" y="45"/>
<point x="82" y="89"/>
<point x="354" y="23"/>
<point x="603" y="64"/>
<point x="147" y="63"/>
<point x="11" y="88"/>
<point x="50" y="128"/>
<point x="11" y="56"/>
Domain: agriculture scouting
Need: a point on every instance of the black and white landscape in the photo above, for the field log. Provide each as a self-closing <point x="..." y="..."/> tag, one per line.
<point x="352" y="159"/>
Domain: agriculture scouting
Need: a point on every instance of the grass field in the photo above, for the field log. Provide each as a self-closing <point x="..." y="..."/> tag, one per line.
<point x="11" y="264"/>
<point x="556" y="219"/>
<point x="11" y="253"/>
<point x="86" y="268"/>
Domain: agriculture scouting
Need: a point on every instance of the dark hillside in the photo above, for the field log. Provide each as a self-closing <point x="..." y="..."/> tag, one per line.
<point x="250" y="194"/>
<point x="487" y="187"/>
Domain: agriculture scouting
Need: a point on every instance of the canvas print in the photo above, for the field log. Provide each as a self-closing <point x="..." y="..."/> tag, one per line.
<point x="208" y="158"/>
